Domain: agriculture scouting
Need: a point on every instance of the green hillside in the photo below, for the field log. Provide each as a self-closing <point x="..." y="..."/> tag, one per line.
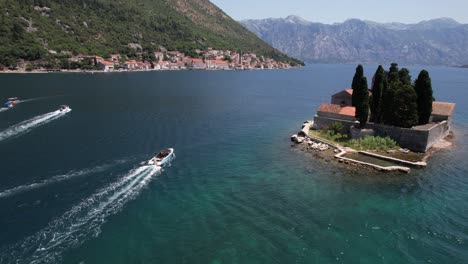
<point x="29" y="28"/>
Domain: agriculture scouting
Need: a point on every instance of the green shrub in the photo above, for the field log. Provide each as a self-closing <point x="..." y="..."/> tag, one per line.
<point x="373" y="143"/>
<point x="336" y="127"/>
<point x="29" y="67"/>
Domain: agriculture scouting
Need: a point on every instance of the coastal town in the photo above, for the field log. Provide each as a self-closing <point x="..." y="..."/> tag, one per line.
<point x="210" y="59"/>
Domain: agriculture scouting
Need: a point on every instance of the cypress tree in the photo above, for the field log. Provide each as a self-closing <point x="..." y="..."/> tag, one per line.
<point x="405" y="111"/>
<point x="423" y="88"/>
<point x="361" y="95"/>
<point x="356" y="80"/>
<point x="393" y="67"/>
<point x="393" y="74"/>
<point x="405" y="77"/>
<point x="391" y="84"/>
<point x="377" y="95"/>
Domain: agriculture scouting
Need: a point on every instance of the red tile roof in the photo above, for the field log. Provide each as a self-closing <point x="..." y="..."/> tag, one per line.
<point x="442" y="108"/>
<point x="337" y="109"/>
<point x="220" y="62"/>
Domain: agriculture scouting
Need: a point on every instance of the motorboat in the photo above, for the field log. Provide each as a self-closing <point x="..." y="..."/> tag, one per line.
<point x="64" y="109"/>
<point x="11" y="102"/>
<point x="162" y="157"/>
<point x="14" y="100"/>
<point x="8" y="104"/>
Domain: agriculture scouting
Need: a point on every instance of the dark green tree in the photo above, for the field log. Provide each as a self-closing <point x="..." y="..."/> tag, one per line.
<point x="356" y="80"/>
<point x="377" y="95"/>
<point x="361" y="97"/>
<point x="393" y="67"/>
<point x="405" y="108"/>
<point x="17" y="30"/>
<point x="423" y="88"/>
<point x="405" y="77"/>
<point x="391" y="84"/>
<point x="393" y="75"/>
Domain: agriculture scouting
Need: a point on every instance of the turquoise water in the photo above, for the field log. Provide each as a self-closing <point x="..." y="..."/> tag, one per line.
<point x="71" y="190"/>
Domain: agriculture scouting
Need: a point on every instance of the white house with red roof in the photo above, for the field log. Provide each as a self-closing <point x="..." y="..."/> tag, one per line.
<point x="198" y="64"/>
<point x="106" y="66"/>
<point x="130" y="65"/>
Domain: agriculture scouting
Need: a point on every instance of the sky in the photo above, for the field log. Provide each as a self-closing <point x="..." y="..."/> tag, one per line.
<point x="333" y="11"/>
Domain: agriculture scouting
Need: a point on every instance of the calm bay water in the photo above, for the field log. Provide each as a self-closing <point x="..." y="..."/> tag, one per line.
<point x="71" y="190"/>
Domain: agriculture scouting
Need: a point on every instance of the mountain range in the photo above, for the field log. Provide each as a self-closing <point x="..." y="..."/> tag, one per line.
<point x="31" y="29"/>
<point x="441" y="41"/>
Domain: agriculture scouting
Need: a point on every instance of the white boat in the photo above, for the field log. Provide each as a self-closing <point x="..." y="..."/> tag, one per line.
<point x="162" y="157"/>
<point x="65" y="109"/>
<point x="14" y="100"/>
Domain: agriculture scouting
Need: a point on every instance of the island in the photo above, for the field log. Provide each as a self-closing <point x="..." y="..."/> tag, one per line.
<point x="392" y="126"/>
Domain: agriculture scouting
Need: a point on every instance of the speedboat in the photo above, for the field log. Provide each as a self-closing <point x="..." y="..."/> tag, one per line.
<point x="8" y="104"/>
<point x="14" y="100"/>
<point x="162" y="157"/>
<point x="11" y="102"/>
<point x="65" y="109"/>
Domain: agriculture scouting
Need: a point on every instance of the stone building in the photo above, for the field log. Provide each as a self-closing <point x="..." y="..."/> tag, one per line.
<point x="442" y="111"/>
<point x="343" y="98"/>
<point x="418" y="138"/>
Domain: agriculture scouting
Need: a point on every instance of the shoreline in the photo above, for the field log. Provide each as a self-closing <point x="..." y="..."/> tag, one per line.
<point x="126" y="71"/>
<point x="337" y="153"/>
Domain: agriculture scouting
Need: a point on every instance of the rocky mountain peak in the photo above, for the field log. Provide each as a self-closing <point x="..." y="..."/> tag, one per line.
<point x="441" y="41"/>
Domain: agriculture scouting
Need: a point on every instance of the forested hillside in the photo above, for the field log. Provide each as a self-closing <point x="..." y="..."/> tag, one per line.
<point x="35" y="29"/>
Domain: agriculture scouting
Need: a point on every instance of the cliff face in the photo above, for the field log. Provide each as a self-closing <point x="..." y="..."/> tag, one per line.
<point x="30" y="28"/>
<point x="434" y="42"/>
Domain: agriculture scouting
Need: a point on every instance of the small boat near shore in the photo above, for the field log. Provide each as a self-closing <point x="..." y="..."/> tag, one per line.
<point x="162" y="157"/>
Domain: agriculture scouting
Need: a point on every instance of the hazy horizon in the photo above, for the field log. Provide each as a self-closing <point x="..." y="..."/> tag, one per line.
<point x="330" y="12"/>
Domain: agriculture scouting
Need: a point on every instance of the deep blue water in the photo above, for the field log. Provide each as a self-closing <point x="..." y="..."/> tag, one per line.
<point x="71" y="190"/>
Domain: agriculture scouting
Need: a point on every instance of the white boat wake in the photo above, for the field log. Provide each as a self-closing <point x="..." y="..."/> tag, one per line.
<point x="26" y="126"/>
<point x="27" y="100"/>
<point x="36" y="99"/>
<point x="56" y="179"/>
<point x="82" y="222"/>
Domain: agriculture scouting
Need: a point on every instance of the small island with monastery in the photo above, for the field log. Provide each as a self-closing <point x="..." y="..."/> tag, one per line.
<point x="395" y="125"/>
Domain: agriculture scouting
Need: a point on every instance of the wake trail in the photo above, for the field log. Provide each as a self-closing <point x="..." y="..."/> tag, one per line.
<point x="29" y="100"/>
<point x="56" y="179"/>
<point x="41" y="98"/>
<point x="26" y="126"/>
<point x="81" y="222"/>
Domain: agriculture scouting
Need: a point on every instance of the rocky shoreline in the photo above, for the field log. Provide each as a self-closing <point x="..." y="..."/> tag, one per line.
<point x="330" y="152"/>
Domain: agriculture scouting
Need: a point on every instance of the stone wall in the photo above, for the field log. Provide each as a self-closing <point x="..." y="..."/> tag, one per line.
<point x="418" y="140"/>
<point x="413" y="139"/>
<point x="437" y="133"/>
<point x="342" y="98"/>
<point x="321" y="122"/>
<point x="336" y="116"/>
<point x="357" y="133"/>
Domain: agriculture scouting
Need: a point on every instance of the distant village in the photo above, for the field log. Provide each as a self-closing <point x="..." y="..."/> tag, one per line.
<point x="210" y="59"/>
